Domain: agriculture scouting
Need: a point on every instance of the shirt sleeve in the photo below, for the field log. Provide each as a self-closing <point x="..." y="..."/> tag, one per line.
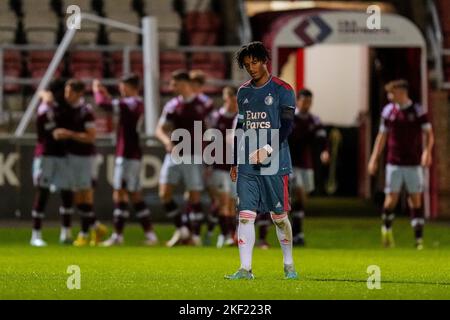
<point x="166" y="116"/>
<point x="89" y="121"/>
<point x="287" y="99"/>
<point x="240" y="116"/>
<point x="383" y="125"/>
<point x="425" y="122"/>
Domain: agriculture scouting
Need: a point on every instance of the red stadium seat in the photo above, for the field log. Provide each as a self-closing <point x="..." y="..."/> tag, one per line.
<point x="203" y="21"/>
<point x="202" y="28"/>
<point x="86" y="65"/>
<point x="38" y="63"/>
<point x="13" y="68"/>
<point x="136" y="64"/>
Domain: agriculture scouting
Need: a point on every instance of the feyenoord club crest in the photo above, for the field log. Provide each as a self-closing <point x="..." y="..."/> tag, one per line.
<point x="269" y="100"/>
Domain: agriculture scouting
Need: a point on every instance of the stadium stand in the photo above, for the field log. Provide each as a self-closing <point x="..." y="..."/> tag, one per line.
<point x="12" y="68"/>
<point x="86" y="64"/>
<point x="8" y="23"/>
<point x="169" y="21"/>
<point x="115" y="10"/>
<point x="185" y="22"/>
<point x="40" y="22"/>
<point x="37" y="64"/>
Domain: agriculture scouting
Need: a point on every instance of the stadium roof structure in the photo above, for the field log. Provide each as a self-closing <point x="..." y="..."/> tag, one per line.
<point x="316" y="27"/>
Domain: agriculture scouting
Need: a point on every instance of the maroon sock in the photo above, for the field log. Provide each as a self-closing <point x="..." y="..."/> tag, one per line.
<point x="213" y="217"/>
<point x="40" y="199"/>
<point x="143" y="214"/>
<point x="171" y="209"/>
<point x="196" y="218"/>
<point x="87" y="216"/>
<point x="223" y="225"/>
<point x="418" y="222"/>
<point x="40" y="203"/>
<point x="388" y="218"/>
<point x="263" y="230"/>
<point x="297" y="217"/>
<point x="120" y="218"/>
<point x="37" y="223"/>
<point x="231" y="222"/>
<point x="67" y="198"/>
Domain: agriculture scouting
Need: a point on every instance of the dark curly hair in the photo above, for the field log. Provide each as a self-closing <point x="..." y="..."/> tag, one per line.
<point x="255" y="50"/>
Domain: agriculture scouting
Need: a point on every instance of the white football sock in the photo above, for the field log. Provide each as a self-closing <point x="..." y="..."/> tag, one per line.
<point x="151" y="236"/>
<point x="284" y="234"/>
<point x="36" y="234"/>
<point x="116" y="236"/>
<point x="246" y="235"/>
<point x="66" y="233"/>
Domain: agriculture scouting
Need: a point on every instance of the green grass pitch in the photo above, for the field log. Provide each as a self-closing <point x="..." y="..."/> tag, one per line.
<point x="333" y="266"/>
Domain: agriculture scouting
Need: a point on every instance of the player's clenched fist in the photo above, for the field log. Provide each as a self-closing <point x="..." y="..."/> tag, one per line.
<point x="260" y="155"/>
<point x="233" y="174"/>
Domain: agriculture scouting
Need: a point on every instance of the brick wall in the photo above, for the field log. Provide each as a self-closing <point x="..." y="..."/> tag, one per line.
<point x="440" y="114"/>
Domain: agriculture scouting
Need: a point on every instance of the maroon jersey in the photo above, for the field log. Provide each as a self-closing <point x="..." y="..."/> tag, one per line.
<point x="207" y="102"/>
<point x="49" y="118"/>
<point x="223" y="121"/>
<point x="308" y="131"/>
<point x="131" y="111"/>
<point x="182" y="114"/>
<point x="404" y="127"/>
<point x="82" y="119"/>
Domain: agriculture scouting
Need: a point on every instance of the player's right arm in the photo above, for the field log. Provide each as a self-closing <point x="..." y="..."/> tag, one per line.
<point x="378" y="148"/>
<point x="102" y="97"/>
<point x="164" y="130"/>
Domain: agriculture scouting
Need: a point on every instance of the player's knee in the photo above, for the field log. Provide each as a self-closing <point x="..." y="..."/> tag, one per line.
<point x="247" y="217"/>
<point x="165" y="195"/>
<point x="280" y="220"/>
<point x="194" y="196"/>
<point x="41" y="199"/>
<point x="390" y="202"/>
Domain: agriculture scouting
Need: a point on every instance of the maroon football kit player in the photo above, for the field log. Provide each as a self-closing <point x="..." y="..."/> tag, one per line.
<point x="223" y="189"/>
<point x="50" y="169"/>
<point x="308" y="136"/>
<point x="127" y="170"/>
<point x="181" y="115"/>
<point x="404" y="127"/>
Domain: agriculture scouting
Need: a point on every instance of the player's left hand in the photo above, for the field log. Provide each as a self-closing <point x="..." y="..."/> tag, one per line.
<point x="62" y="134"/>
<point x="259" y="156"/>
<point x="426" y="159"/>
<point x="325" y="157"/>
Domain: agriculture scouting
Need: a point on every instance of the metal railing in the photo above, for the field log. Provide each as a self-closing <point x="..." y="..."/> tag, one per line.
<point x="126" y="63"/>
<point x="245" y="30"/>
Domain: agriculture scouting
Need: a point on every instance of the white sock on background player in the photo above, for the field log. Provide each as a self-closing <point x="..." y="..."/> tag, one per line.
<point x="246" y="235"/>
<point x="284" y="234"/>
<point x="36" y="234"/>
<point x="66" y="233"/>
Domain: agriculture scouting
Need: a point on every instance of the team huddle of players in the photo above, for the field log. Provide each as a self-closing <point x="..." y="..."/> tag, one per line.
<point x="65" y="161"/>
